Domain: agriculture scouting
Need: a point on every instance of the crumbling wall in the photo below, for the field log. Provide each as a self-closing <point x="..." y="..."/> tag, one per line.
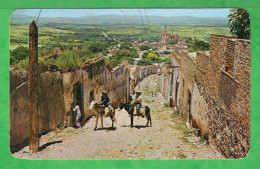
<point x="138" y="73"/>
<point x="69" y="80"/>
<point x="188" y="69"/>
<point x="117" y="85"/>
<point x="93" y="82"/>
<point x="51" y="106"/>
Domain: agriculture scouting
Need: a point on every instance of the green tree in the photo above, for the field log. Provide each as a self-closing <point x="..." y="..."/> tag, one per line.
<point x="239" y="23"/>
<point x="18" y="54"/>
<point x="125" y="45"/>
<point x="167" y="60"/>
<point x="144" y="56"/>
<point x="129" y="59"/>
<point x="152" y="56"/>
<point x="173" y="42"/>
<point x="68" y="60"/>
<point x="144" y="62"/>
<point x="96" y="47"/>
<point x="144" y="47"/>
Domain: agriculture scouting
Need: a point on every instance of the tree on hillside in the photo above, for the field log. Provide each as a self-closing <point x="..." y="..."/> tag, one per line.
<point x="239" y="23"/>
<point x="152" y="56"/>
<point x="18" y="54"/>
<point x="144" y="47"/>
<point x="96" y="47"/>
<point x="125" y="45"/>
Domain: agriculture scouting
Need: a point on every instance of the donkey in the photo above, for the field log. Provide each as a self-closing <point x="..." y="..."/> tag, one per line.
<point x="100" y="112"/>
<point x="130" y="110"/>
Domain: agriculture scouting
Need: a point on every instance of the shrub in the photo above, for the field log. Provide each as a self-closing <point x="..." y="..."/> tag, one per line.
<point x="24" y="64"/>
<point x="173" y="42"/>
<point x="167" y="52"/>
<point x="144" y="47"/>
<point x="145" y="54"/>
<point x="96" y="47"/>
<point x="167" y="60"/>
<point x="152" y="56"/>
<point x="68" y="60"/>
<point x="18" y="54"/>
<point x="125" y="45"/>
<point x="129" y="59"/>
<point x="110" y="63"/>
<point x="145" y="62"/>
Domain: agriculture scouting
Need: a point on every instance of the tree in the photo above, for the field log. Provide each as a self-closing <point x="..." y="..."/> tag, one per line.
<point x="68" y="60"/>
<point x="18" y="54"/>
<point x="125" y="45"/>
<point x="239" y="23"/>
<point x="96" y="47"/>
<point x="144" y="62"/>
<point x="144" y="47"/>
<point x="145" y="54"/>
<point x="173" y="42"/>
<point x="152" y="56"/>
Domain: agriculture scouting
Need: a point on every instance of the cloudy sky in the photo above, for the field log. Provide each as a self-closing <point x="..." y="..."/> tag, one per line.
<point x="197" y="12"/>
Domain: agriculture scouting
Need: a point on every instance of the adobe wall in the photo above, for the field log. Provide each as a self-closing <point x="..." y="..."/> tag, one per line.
<point x="57" y="91"/>
<point x="69" y="80"/>
<point x="51" y="106"/>
<point x="188" y="69"/>
<point x="176" y="78"/>
<point x="117" y="85"/>
<point x="138" y="73"/>
<point x="93" y="80"/>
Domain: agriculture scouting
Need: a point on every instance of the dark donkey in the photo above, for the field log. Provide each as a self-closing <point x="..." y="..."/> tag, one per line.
<point x="130" y="110"/>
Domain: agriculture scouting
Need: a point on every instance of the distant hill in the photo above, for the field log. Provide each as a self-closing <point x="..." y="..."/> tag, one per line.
<point x="120" y="20"/>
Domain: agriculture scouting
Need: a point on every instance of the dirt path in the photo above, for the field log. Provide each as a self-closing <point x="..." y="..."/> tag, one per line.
<point x="168" y="138"/>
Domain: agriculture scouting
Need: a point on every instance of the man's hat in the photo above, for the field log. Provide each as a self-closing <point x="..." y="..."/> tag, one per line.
<point x="105" y="92"/>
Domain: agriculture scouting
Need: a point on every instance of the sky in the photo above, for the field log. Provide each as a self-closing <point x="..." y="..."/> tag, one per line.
<point x="168" y="12"/>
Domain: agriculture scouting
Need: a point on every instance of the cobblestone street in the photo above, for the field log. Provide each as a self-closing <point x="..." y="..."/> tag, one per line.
<point x="168" y="138"/>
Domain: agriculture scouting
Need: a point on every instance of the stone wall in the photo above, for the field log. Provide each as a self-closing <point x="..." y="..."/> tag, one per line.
<point x="231" y="120"/>
<point x="215" y="93"/>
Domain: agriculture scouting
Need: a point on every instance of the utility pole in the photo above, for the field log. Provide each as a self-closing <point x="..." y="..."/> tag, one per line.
<point x="33" y="88"/>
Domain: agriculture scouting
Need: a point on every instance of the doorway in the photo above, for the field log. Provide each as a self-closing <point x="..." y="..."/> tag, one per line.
<point x="189" y="106"/>
<point x="176" y="93"/>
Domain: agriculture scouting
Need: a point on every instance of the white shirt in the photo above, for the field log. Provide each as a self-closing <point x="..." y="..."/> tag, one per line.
<point x="77" y="109"/>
